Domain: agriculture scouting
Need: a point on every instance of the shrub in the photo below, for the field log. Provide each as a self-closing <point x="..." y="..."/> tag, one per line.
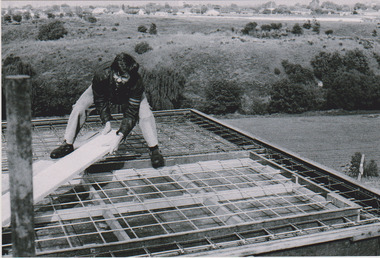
<point x="142" y="47"/>
<point x="297" y="30"/>
<point x="222" y="97"/>
<point x="17" y="17"/>
<point x="377" y="58"/>
<point x="91" y="19"/>
<point x="307" y="25"/>
<point x="153" y="29"/>
<point x="329" y="32"/>
<point x="296" y="73"/>
<point x="316" y="27"/>
<point x="352" y="90"/>
<point x="374" y="33"/>
<point x="27" y="16"/>
<point x="325" y="66"/>
<point x="142" y="29"/>
<point x="52" y="31"/>
<point x="51" y="16"/>
<point x="290" y="97"/>
<point x="368" y="170"/>
<point x="164" y="88"/>
<point x="356" y="60"/>
<point x="7" y="18"/>
<point x="277" y="71"/>
<point x="249" y="28"/>
<point x="276" y="26"/>
<point x="266" y="27"/>
<point x="54" y="101"/>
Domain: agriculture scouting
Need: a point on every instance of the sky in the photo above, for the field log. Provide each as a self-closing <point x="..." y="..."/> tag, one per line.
<point x="171" y="2"/>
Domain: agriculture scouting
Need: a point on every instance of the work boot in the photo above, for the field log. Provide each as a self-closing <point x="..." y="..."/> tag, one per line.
<point x="157" y="159"/>
<point x="62" y="150"/>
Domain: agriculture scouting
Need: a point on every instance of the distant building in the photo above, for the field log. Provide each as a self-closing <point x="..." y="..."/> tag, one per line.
<point x="99" y="10"/>
<point x="212" y="13"/>
<point x="120" y="12"/>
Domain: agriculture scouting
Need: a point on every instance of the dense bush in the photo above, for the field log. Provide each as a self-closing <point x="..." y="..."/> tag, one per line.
<point x="142" y="29"/>
<point x="153" y="29"/>
<point x="350" y="83"/>
<point x="52" y="31"/>
<point x="164" y="88"/>
<point x="377" y="58"/>
<point x="91" y="19"/>
<point x="51" y="16"/>
<point x="352" y="90"/>
<point x="329" y="32"/>
<point x="249" y="28"/>
<point x="297" y="29"/>
<point x="17" y="17"/>
<point x="142" y="47"/>
<point x="26" y="16"/>
<point x="356" y="60"/>
<point x="7" y="18"/>
<point x="290" y="97"/>
<point x="307" y="25"/>
<point x="54" y="101"/>
<point x="266" y="27"/>
<point x="369" y="170"/>
<point x="276" y="26"/>
<point x="296" y="73"/>
<point x="222" y="97"/>
<point x="325" y="65"/>
<point x="316" y="27"/>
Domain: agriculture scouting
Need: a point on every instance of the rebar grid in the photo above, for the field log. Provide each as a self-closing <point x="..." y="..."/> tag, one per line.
<point x="182" y="198"/>
<point x="144" y="191"/>
<point x="176" y="134"/>
<point x="361" y="196"/>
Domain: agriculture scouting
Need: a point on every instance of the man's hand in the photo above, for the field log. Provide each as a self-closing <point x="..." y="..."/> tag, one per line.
<point x="115" y="143"/>
<point x="107" y="128"/>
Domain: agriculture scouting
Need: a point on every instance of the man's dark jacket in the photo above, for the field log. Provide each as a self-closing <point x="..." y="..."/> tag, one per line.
<point x="128" y="96"/>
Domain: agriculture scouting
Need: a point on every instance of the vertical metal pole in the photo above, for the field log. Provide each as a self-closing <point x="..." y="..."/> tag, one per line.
<point x="19" y="148"/>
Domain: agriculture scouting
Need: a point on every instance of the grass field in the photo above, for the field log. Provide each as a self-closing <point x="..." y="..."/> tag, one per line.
<point x="201" y="48"/>
<point x="330" y="140"/>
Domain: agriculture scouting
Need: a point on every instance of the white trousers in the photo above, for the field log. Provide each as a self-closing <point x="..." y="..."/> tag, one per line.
<point x="81" y="109"/>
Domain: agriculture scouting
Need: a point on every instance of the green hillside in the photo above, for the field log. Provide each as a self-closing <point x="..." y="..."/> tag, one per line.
<point x="200" y="49"/>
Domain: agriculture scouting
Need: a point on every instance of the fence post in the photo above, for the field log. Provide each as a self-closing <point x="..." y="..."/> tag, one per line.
<point x="19" y="149"/>
<point x="361" y="168"/>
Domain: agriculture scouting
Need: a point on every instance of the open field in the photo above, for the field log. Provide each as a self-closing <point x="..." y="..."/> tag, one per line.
<point x="330" y="140"/>
<point x="202" y="49"/>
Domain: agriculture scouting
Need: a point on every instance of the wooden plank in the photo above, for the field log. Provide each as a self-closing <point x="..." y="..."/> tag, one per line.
<point x="38" y="167"/>
<point x="64" y="170"/>
<point x="108" y="214"/>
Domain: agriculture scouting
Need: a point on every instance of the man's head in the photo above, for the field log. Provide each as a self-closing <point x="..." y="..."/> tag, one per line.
<point x="124" y="64"/>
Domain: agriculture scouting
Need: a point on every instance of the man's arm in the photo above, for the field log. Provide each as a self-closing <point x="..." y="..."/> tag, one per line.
<point x="131" y="110"/>
<point x="99" y="89"/>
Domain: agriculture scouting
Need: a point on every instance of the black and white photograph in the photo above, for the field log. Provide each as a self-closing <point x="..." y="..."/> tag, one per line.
<point x="204" y="128"/>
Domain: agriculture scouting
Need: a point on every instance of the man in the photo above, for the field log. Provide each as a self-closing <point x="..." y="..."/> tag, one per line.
<point x="117" y="82"/>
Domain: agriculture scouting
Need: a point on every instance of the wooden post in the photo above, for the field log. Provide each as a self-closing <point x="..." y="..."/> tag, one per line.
<point x="19" y="149"/>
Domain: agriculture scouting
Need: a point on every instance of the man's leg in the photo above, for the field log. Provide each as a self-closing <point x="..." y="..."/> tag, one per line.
<point x="147" y="125"/>
<point x="76" y="120"/>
